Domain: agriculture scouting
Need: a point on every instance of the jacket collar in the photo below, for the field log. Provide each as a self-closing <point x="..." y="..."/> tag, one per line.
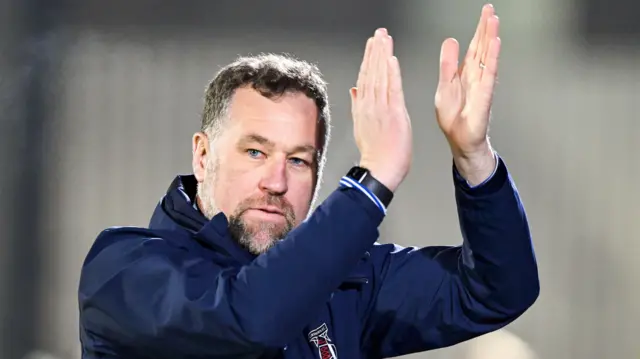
<point x="176" y="211"/>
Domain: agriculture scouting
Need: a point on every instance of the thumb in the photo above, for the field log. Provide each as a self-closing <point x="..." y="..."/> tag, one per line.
<point x="449" y="60"/>
<point x="354" y="97"/>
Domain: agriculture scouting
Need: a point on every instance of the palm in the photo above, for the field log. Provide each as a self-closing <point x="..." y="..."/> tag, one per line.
<point x="464" y="95"/>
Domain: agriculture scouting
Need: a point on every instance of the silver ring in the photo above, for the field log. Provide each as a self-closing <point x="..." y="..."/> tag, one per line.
<point x="482" y="66"/>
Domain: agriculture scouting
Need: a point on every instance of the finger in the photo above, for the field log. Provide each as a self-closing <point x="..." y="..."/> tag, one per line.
<point x="387" y="53"/>
<point x="449" y="53"/>
<point x="483" y="44"/>
<point x="396" y="93"/>
<point x="372" y="66"/>
<point x="492" y="28"/>
<point x="353" y="94"/>
<point x="380" y="70"/>
<point x="490" y="72"/>
<point x="487" y="10"/>
<point x="364" y="67"/>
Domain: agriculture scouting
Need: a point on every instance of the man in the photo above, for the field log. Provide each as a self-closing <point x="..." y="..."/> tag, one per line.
<point x="233" y="265"/>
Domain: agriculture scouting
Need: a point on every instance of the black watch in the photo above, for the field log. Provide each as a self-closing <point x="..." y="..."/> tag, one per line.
<point x="362" y="176"/>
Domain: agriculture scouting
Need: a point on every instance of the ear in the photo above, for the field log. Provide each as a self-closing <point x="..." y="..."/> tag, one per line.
<point x="201" y="152"/>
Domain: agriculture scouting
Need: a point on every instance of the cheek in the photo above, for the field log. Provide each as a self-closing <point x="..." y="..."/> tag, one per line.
<point x="299" y="195"/>
<point x="231" y="187"/>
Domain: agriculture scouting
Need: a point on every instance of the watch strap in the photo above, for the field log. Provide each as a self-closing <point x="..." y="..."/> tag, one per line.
<point x="362" y="177"/>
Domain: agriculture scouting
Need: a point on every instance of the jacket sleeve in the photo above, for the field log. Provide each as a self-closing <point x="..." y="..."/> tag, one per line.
<point x="433" y="297"/>
<point x="145" y="296"/>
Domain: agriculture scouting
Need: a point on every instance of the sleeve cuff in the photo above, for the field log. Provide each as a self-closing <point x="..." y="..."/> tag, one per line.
<point x="348" y="182"/>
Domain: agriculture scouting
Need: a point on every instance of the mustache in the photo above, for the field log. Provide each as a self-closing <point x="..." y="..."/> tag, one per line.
<point x="276" y="201"/>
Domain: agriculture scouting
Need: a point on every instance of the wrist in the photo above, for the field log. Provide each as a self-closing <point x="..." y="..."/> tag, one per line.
<point x="475" y="166"/>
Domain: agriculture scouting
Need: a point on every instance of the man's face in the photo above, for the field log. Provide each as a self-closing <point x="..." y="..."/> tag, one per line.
<point x="261" y="171"/>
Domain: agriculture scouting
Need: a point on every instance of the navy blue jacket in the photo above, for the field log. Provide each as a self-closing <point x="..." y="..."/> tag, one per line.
<point x="182" y="288"/>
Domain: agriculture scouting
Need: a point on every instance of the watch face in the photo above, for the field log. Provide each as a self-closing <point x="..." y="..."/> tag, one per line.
<point x="358" y="173"/>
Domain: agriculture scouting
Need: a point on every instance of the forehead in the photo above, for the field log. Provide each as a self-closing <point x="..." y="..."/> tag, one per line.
<point x="289" y="120"/>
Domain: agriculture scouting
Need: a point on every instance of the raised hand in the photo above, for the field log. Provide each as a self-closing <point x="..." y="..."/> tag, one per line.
<point x="382" y="127"/>
<point x="464" y="96"/>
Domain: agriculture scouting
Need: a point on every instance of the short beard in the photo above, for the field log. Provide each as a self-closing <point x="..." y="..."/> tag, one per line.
<point x="259" y="238"/>
<point x="249" y="236"/>
<point x="207" y="203"/>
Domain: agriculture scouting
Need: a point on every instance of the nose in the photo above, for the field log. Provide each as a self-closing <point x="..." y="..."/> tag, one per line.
<point x="274" y="177"/>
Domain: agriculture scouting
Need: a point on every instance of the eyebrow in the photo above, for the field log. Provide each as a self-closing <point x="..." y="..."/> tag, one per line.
<point x="250" y="138"/>
<point x="257" y="139"/>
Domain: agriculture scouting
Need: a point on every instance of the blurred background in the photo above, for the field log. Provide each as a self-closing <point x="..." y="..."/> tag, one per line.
<point x="99" y="100"/>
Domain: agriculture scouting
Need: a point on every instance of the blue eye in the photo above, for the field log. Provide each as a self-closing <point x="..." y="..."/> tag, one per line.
<point x="298" y="161"/>
<point x="254" y="153"/>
